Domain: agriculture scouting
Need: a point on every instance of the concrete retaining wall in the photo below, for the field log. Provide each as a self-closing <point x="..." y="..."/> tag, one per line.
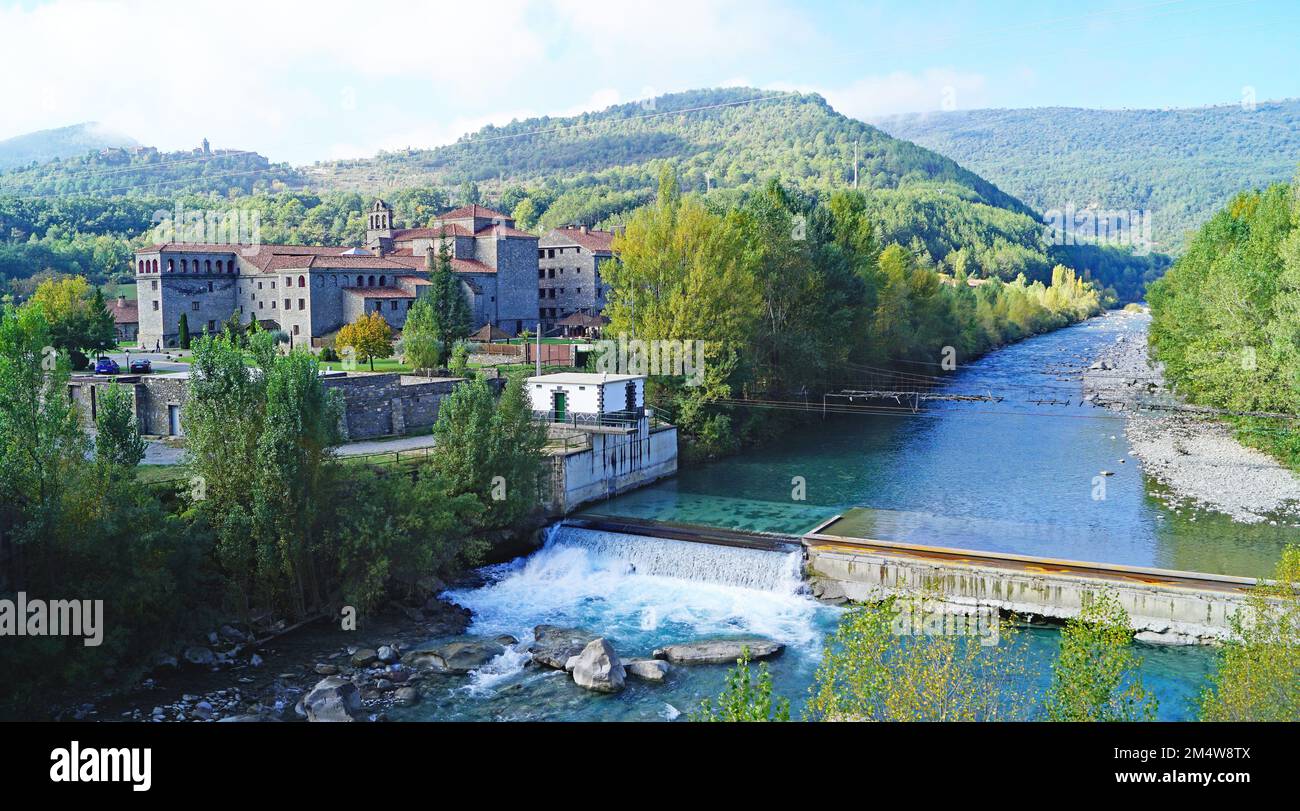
<point x="1158" y="614"/>
<point x="615" y="463"/>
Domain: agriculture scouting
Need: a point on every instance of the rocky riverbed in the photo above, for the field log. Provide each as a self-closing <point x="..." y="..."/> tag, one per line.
<point x="320" y="673"/>
<point x="1194" y="456"/>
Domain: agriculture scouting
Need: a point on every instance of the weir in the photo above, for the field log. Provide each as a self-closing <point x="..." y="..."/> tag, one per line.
<point x="840" y="563"/>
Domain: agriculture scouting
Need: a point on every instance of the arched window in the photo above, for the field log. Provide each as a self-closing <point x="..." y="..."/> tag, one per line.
<point x="302" y="282"/>
<point x="207" y="265"/>
<point x="185" y="265"/>
<point x="360" y="282"/>
<point x="155" y="266"/>
<point x="139" y="266"/>
<point x="171" y="265"/>
<point x="370" y="281"/>
<point x="381" y="281"/>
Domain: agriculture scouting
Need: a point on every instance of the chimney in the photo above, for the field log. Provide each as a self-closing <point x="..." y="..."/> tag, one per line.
<point x="121" y="302"/>
<point x="428" y="258"/>
<point x="584" y="229"/>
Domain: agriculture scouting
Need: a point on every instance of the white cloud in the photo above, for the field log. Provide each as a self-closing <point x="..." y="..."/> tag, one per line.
<point x="241" y="71"/>
<point x="903" y="92"/>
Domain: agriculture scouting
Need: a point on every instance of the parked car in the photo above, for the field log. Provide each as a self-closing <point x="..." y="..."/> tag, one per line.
<point x="106" y="366"/>
<point x="141" y="366"/>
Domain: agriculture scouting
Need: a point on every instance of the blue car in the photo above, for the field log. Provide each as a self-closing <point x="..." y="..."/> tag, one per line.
<point x="106" y="366"/>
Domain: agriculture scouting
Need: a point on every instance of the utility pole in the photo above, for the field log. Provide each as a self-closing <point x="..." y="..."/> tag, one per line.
<point x="539" y="347"/>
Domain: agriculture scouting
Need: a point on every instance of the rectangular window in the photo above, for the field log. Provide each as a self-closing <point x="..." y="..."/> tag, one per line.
<point x="288" y="305"/>
<point x="295" y="329"/>
<point x="155" y="306"/>
<point x="302" y="304"/>
<point x="393" y="305"/>
<point x="194" y="305"/>
<point x="209" y="287"/>
<point x="212" y="326"/>
<point x="153" y="285"/>
<point x="259" y="285"/>
<point x="272" y="304"/>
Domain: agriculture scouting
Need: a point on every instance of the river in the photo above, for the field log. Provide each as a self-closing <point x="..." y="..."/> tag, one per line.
<point x="1014" y="476"/>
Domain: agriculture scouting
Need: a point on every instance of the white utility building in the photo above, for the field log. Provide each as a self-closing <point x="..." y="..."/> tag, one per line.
<point x="585" y="397"/>
<point x="604" y="438"/>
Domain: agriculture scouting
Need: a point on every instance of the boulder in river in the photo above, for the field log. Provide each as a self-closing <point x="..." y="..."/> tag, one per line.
<point x="646" y="669"/>
<point x="553" y="646"/>
<point x="718" y="651"/>
<point x="334" y="698"/>
<point x="457" y="657"/>
<point x="598" y="668"/>
<point x="199" y="656"/>
<point x="365" y="656"/>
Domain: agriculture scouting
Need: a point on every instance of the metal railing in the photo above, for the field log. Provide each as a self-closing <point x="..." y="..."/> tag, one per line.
<point x="627" y="419"/>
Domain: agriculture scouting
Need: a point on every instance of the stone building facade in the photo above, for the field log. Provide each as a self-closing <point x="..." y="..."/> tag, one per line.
<point x="570" y="278"/>
<point x="126" y="318"/>
<point x="311" y="291"/>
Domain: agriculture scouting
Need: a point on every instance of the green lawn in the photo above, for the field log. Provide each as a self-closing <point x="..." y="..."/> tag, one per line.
<point x="124" y="289"/>
<point x="151" y="474"/>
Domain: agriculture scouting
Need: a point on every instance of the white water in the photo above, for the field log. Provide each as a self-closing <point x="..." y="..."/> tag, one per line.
<point x="641" y="592"/>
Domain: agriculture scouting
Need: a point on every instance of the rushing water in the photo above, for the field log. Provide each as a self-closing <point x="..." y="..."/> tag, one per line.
<point x="1014" y="476"/>
<point x="640" y="593"/>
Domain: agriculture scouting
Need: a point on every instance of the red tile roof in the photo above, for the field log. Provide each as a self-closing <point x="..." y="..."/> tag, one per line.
<point x="593" y="240"/>
<point x="466" y="212"/>
<point x="124" y="312"/>
<point x="503" y="231"/>
<point x="451" y="229"/>
<point x="378" y="292"/>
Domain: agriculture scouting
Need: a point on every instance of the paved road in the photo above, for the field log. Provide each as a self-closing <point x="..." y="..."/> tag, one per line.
<point x="158" y="359"/>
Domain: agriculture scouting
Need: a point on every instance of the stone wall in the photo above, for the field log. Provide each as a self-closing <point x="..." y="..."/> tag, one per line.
<point x="154" y="395"/>
<point x="389" y="404"/>
<point x="375" y="405"/>
<point x="573" y="273"/>
<point x="516" y="264"/>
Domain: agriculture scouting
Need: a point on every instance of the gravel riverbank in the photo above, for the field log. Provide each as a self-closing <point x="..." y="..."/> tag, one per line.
<point x="1194" y="456"/>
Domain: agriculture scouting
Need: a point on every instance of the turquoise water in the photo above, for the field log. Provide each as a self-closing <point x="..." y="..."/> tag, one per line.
<point x="1011" y="476"/>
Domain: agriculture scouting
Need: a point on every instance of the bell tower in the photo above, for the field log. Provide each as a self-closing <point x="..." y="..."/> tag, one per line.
<point x="379" y="226"/>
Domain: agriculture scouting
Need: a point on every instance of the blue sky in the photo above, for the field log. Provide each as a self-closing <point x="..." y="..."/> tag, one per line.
<point x="333" y="79"/>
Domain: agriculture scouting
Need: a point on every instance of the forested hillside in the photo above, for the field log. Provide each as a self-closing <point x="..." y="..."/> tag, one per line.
<point x="83" y="215"/>
<point x="1180" y="165"/>
<point x="722" y="138"/>
<point x="63" y="142"/>
<point x="1226" y="318"/>
<point x="123" y="171"/>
